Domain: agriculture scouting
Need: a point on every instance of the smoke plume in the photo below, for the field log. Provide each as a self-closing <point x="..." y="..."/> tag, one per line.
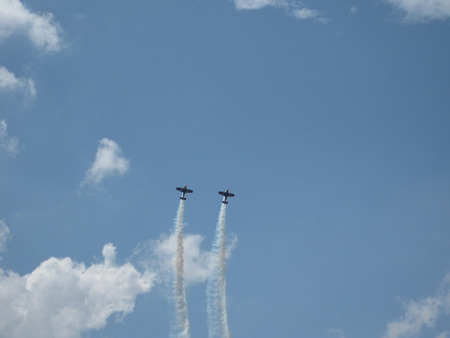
<point x="216" y="300"/>
<point x="180" y="325"/>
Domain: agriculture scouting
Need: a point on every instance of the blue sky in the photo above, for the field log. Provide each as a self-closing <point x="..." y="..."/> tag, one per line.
<point x="329" y="120"/>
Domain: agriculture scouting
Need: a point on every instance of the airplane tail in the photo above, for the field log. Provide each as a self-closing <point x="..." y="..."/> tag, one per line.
<point x="183" y="198"/>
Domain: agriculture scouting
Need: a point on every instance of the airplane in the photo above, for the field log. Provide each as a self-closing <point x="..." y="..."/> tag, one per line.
<point x="225" y="195"/>
<point x="184" y="191"/>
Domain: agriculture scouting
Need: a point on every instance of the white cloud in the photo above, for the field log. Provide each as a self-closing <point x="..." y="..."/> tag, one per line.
<point x="308" y="14"/>
<point x="443" y="335"/>
<point x="62" y="298"/>
<point x="423" y="10"/>
<point x="40" y="28"/>
<point x="258" y="4"/>
<point x="9" y="82"/>
<point x="353" y="9"/>
<point x="4" y="234"/>
<point x="291" y="7"/>
<point x="108" y="162"/>
<point x="420" y="314"/>
<point x="304" y="13"/>
<point x="8" y="144"/>
<point x="159" y="255"/>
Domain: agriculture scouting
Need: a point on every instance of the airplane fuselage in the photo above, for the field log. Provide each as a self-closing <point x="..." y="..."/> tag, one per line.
<point x="225" y="195"/>
<point x="184" y="191"/>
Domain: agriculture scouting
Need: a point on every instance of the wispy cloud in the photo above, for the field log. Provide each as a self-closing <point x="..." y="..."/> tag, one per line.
<point x="62" y="298"/>
<point x="309" y="14"/>
<point x="423" y="10"/>
<point x="258" y="4"/>
<point x="422" y="313"/>
<point x="291" y="7"/>
<point x="8" y="144"/>
<point x="4" y="234"/>
<point x="108" y="162"/>
<point x="159" y="256"/>
<point x="9" y="82"/>
<point x="40" y="28"/>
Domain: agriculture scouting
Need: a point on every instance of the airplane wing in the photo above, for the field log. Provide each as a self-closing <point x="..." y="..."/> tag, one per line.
<point x="230" y="195"/>
<point x="189" y="190"/>
<point x="222" y="193"/>
<point x="179" y="189"/>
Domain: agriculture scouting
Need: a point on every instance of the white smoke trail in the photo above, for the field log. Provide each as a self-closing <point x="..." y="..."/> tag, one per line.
<point x="180" y="326"/>
<point x="216" y="300"/>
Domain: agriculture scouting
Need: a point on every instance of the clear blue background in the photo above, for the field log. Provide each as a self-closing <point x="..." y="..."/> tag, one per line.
<point x="335" y="138"/>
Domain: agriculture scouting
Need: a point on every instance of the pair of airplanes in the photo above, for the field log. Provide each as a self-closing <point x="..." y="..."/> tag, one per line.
<point x="185" y="191"/>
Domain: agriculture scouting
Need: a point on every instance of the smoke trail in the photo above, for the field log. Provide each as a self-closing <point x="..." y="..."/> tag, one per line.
<point x="180" y="326"/>
<point x="216" y="287"/>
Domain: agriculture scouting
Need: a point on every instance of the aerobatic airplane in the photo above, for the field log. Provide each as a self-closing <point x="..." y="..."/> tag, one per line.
<point x="184" y="191"/>
<point x="225" y="195"/>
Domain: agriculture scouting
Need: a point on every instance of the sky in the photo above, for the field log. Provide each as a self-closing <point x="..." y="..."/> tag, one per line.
<point x="329" y="120"/>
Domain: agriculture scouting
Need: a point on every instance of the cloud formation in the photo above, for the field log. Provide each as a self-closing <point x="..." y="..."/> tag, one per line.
<point x="62" y="298"/>
<point x="8" y="144"/>
<point x="443" y="335"/>
<point x="423" y="10"/>
<point x="40" y="28"/>
<point x="308" y="14"/>
<point x="258" y="4"/>
<point x="159" y="255"/>
<point x="9" y="82"/>
<point x="423" y="313"/>
<point x="4" y="234"/>
<point x="292" y="7"/>
<point x="108" y="162"/>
